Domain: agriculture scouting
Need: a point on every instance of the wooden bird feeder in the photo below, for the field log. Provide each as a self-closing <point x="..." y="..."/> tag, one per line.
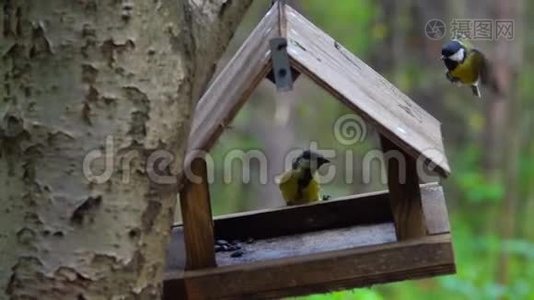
<point x="356" y="241"/>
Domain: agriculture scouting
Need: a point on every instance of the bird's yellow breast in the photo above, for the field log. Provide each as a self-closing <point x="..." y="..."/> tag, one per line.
<point x="293" y="193"/>
<point x="466" y="72"/>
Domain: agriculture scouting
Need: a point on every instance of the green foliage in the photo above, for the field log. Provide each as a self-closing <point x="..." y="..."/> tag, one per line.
<point x="358" y="294"/>
<point x="471" y="179"/>
<point x="227" y="193"/>
<point x="349" y="21"/>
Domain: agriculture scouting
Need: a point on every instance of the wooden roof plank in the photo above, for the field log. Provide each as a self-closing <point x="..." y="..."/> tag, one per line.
<point x="361" y="88"/>
<point x="235" y="83"/>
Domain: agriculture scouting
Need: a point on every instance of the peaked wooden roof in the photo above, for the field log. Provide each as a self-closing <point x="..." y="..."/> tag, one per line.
<point x="330" y="65"/>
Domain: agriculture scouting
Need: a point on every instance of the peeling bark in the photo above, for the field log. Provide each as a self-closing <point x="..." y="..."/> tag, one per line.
<point x="72" y="74"/>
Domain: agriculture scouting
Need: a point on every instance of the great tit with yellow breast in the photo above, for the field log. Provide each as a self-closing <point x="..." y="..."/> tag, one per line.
<point x="299" y="185"/>
<point x="466" y="65"/>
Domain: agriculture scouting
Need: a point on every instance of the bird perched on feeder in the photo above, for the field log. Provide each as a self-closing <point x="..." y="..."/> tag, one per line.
<point x="466" y="65"/>
<point x="299" y="185"/>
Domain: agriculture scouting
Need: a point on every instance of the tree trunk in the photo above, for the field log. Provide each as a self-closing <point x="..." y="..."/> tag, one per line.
<point x="495" y="110"/>
<point x="82" y="79"/>
<point x="509" y="58"/>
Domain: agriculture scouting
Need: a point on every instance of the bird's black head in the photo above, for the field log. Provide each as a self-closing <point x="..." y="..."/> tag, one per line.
<point x="453" y="50"/>
<point x="310" y="159"/>
<point x="306" y="154"/>
<point x="450" y="48"/>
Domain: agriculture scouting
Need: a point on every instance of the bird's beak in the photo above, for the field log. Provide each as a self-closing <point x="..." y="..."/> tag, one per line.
<point x="323" y="161"/>
<point x="443" y="57"/>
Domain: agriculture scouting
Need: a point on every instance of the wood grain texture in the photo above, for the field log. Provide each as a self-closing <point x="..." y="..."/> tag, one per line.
<point x="232" y="87"/>
<point x="435" y="209"/>
<point x="404" y="192"/>
<point x="349" y="79"/>
<point x="322" y="272"/>
<point x="197" y="220"/>
<point x="282" y="20"/>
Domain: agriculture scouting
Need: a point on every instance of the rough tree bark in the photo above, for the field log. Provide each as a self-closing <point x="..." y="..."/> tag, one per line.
<point x="72" y="74"/>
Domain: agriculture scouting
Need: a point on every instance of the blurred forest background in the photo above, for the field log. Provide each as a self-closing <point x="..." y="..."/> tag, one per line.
<point x="490" y="194"/>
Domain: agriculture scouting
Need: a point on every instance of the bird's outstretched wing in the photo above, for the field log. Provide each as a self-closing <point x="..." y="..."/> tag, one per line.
<point x="486" y="73"/>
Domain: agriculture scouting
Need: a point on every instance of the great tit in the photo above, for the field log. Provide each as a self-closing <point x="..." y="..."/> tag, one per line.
<point x="299" y="185"/>
<point x="465" y="65"/>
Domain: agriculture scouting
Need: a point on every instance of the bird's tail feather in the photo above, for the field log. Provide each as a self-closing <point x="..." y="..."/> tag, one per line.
<point x="476" y="91"/>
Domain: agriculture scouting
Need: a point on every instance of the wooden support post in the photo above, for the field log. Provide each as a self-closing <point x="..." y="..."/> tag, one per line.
<point x="197" y="219"/>
<point x="405" y="195"/>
